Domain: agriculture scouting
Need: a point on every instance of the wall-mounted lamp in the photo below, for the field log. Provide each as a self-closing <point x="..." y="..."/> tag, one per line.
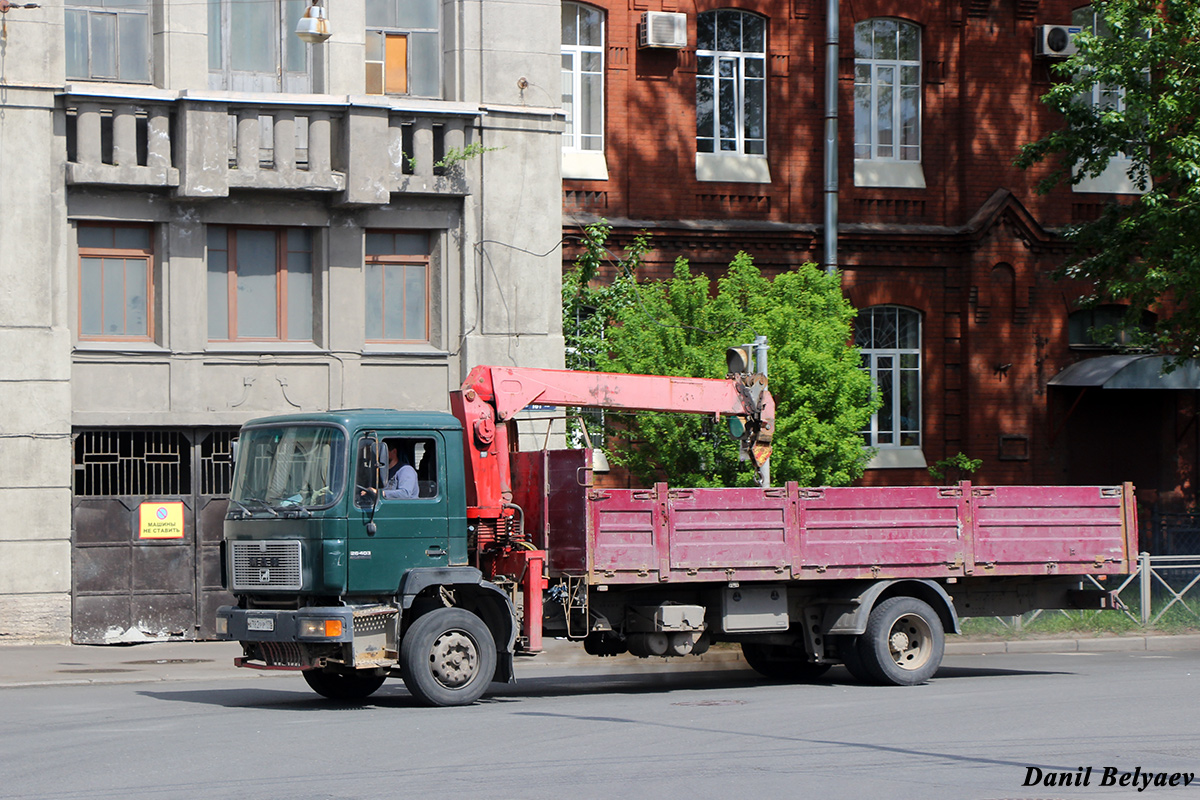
<point x="314" y="25"/>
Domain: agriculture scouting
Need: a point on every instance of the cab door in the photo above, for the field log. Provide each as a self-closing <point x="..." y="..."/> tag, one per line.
<point x="393" y="535"/>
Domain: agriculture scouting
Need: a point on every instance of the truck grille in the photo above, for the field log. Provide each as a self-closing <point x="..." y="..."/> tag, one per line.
<point x="265" y="565"/>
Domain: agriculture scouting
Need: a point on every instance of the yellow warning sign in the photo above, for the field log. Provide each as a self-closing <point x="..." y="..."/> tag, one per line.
<point x="160" y="521"/>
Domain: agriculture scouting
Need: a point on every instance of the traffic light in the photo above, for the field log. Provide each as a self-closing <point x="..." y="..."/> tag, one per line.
<point x="740" y="360"/>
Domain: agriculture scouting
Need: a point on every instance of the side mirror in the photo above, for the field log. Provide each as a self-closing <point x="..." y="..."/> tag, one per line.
<point x="366" y="479"/>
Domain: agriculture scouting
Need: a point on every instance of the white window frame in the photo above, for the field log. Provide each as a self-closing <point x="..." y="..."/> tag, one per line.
<point x="738" y="59"/>
<point x="573" y="133"/>
<point x="875" y="81"/>
<point x="1115" y="178"/>
<point x="893" y="357"/>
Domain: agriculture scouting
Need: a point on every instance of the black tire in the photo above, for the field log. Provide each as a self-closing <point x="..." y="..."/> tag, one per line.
<point x="781" y="663"/>
<point x="853" y="661"/>
<point x="346" y="687"/>
<point x="448" y="658"/>
<point x="904" y="642"/>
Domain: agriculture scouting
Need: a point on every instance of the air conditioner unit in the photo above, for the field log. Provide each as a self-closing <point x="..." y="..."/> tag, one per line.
<point x="663" y="29"/>
<point x="1056" y="41"/>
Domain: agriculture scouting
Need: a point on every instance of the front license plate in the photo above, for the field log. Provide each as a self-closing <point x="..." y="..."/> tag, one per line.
<point x="260" y="624"/>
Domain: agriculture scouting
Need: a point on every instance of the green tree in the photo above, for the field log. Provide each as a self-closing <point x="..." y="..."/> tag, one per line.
<point x="679" y="327"/>
<point x="1133" y="92"/>
<point x="590" y="305"/>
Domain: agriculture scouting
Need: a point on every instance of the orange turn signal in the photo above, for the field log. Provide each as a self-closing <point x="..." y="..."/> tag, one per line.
<point x="333" y="628"/>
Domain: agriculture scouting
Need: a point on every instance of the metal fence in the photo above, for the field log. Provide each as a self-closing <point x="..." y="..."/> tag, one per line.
<point x="1173" y="534"/>
<point x="1159" y="584"/>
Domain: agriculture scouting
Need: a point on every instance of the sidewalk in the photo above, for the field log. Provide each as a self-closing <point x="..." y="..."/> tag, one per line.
<point x="24" y="665"/>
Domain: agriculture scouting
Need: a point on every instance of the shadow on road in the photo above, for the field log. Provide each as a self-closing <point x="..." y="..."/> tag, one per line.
<point x="298" y="697"/>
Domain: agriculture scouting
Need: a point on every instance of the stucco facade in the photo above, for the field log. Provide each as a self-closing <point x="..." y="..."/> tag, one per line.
<point x="226" y="182"/>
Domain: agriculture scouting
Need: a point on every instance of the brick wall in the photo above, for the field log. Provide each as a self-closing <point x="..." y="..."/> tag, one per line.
<point x="973" y="251"/>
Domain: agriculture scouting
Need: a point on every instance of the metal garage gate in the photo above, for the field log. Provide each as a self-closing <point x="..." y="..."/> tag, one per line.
<point x="147" y="511"/>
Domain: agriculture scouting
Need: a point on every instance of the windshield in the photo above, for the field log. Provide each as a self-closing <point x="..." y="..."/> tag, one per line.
<point x="286" y="466"/>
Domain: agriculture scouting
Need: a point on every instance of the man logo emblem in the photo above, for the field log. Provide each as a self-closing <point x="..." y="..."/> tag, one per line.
<point x="264" y="576"/>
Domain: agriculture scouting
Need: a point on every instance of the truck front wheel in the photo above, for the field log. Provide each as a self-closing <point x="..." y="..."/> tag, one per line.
<point x="347" y="687"/>
<point x="903" y="643"/>
<point x="448" y="658"/>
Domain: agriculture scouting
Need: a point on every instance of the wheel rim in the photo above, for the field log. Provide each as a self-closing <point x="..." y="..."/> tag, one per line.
<point x="910" y="642"/>
<point x="454" y="659"/>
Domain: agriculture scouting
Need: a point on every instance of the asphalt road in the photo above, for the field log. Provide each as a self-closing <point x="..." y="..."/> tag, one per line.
<point x="595" y="731"/>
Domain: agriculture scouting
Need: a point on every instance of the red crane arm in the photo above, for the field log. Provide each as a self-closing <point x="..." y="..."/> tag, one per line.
<point x="509" y="390"/>
<point x="491" y="397"/>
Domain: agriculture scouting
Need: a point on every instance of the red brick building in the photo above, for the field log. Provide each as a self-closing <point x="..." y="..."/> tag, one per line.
<point x="718" y="146"/>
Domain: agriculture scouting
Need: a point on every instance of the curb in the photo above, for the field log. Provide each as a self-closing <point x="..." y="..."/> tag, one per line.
<point x="1106" y="644"/>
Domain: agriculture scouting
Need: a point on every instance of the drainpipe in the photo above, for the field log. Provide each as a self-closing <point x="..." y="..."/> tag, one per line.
<point x="830" y="259"/>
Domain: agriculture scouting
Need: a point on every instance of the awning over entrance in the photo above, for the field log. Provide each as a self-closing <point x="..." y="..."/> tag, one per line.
<point x="1129" y="372"/>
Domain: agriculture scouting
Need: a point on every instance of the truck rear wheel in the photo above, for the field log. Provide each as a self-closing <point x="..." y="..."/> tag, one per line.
<point x="448" y="658"/>
<point x="904" y="642"/>
<point x="781" y="663"/>
<point x="347" y="687"/>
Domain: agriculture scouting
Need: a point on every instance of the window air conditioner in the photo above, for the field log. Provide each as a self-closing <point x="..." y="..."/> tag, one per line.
<point x="663" y="29"/>
<point x="1056" y="41"/>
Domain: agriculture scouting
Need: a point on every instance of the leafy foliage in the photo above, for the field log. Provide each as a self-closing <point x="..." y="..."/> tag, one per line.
<point x="589" y="308"/>
<point x="1145" y="253"/>
<point x="679" y="327"/>
<point x="956" y="467"/>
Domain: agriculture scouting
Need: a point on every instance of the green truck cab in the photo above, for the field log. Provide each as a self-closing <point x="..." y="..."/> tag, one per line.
<point x="339" y="576"/>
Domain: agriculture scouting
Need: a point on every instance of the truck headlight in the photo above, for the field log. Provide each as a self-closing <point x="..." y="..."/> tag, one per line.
<point x="222" y="626"/>
<point x="326" y="628"/>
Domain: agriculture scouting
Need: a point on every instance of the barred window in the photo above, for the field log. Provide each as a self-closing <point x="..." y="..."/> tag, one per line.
<point x="132" y="463"/>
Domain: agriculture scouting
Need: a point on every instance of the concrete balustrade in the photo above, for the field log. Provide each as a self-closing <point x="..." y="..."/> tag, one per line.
<point x="204" y="144"/>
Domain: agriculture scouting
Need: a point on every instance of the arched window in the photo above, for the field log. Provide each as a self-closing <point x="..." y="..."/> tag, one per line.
<point x="731" y="76"/>
<point x="887" y="90"/>
<point x="583" y="77"/>
<point x="889" y="338"/>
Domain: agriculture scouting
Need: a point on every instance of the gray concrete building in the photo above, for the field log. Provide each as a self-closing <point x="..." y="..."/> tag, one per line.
<point x="204" y="219"/>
